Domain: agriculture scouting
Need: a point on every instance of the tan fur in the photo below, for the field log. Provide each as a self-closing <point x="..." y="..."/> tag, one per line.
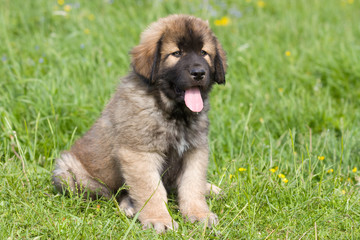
<point x="144" y="52"/>
<point x="138" y="141"/>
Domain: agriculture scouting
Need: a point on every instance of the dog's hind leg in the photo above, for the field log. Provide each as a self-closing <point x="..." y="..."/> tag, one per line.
<point x="211" y="188"/>
<point x="70" y="176"/>
<point x="126" y="205"/>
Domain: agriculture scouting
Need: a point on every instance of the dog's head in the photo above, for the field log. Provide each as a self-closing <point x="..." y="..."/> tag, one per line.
<point x="182" y="57"/>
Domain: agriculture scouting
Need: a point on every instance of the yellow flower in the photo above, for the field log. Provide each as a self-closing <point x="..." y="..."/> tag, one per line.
<point x="285" y="180"/>
<point x="281" y="175"/>
<point x="321" y="158"/>
<point x="261" y="4"/>
<point x="354" y="170"/>
<point x="343" y="191"/>
<point x="87" y="31"/>
<point x="231" y="176"/>
<point x="61" y="2"/>
<point x="242" y="169"/>
<point x="261" y="120"/>
<point x="350" y="1"/>
<point x="272" y="170"/>
<point x="222" y="22"/>
<point x="91" y="17"/>
<point x="330" y="170"/>
<point x="288" y="53"/>
<point x="67" y="8"/>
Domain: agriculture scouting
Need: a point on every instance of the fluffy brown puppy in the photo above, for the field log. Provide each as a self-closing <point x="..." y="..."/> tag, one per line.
<point x="153" y="134"/>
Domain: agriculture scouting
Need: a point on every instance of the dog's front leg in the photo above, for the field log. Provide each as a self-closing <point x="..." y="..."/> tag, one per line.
<point x="192" y="187"/>
<point x="141" y="172"/>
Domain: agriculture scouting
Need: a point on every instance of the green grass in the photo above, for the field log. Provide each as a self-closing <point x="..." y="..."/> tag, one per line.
<point x="57" y="73"/>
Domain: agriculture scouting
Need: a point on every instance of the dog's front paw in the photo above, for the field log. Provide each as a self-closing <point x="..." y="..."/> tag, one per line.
<point x="160" y="225"/>
<point x="210" y="219"/>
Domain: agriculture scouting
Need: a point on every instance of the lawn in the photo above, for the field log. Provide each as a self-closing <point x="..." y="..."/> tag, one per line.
<point x="285" y="129"/>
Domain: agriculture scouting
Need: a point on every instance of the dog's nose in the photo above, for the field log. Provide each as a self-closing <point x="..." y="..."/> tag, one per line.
<point x="197" y="73"/>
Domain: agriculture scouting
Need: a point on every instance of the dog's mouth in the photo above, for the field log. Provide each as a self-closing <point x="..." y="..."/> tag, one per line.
<point x="192" y="98"/>
<point x="179" y="92"/>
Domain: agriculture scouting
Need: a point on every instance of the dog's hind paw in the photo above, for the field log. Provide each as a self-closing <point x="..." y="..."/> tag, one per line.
<point x="127" y="207"/>
<point x="212" y="189"/>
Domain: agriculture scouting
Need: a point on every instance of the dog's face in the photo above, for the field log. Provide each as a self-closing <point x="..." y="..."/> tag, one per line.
<point x="181" y="57"/>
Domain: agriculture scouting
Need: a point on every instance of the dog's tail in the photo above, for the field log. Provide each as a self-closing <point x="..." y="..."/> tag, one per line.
<point x="69" y="176"/>
<point x="64" y="178"/>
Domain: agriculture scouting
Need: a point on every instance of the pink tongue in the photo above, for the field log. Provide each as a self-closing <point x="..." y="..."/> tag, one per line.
<point x="193" y="99"/>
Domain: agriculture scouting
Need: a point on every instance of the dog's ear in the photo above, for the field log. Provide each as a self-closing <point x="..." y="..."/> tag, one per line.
<point x="220" y="64"/>
<point x="146" y="58"/>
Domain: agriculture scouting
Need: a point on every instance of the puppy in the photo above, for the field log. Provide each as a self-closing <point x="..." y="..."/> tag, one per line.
<point x="153" y="134"/>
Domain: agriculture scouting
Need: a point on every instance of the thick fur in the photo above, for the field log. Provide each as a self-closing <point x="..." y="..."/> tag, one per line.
<point x="146" y="137"/>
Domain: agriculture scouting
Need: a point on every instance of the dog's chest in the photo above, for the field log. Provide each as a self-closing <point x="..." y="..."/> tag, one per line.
<point x="178" y="139"/>
<point x="180" y="136"/>
<point x="178" y="143"/>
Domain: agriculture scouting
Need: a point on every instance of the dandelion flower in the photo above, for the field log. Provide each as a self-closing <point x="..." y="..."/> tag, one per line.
<point x="321" y="158"/>
<point x="67" y="8"/>
<point x="91" y="17"/>
<point x="261" y="4"/>
<point x="61" y="2"/>
<point x="87" y="31"/>
<point x="242" y="169"/>
<point x="224" y="21"/>
<point x="231" y="176"/>
<point x="288" y="53"/>
<point x="330" y="170"/>
<point x="281" y="175"/>
<point x="285" y="180"/>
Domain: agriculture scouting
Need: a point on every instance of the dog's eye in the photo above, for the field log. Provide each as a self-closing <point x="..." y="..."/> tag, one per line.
<point x="176" y="54"/>
<point x="203" y="53"/>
